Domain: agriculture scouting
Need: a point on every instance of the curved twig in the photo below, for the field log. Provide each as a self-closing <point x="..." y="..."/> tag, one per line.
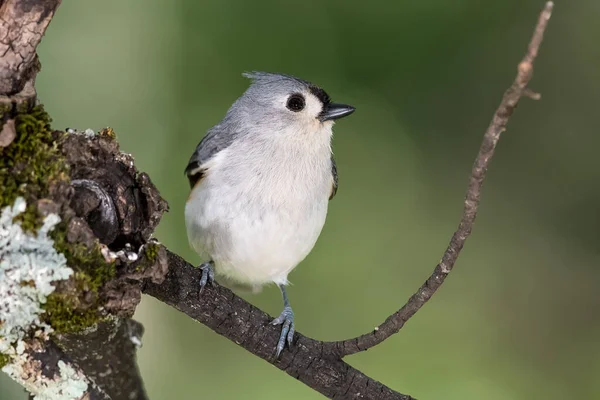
<point x="511" y="97"/>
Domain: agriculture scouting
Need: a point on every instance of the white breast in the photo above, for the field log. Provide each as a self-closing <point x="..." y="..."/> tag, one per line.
<point x="261" y="207"/>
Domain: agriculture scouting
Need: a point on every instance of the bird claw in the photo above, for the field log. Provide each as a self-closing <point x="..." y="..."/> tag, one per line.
<point x="286" y="318"/>
<point x="208" y="275"/>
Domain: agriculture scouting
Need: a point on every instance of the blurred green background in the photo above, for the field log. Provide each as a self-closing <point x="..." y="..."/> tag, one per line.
<point x="517" y="319"/>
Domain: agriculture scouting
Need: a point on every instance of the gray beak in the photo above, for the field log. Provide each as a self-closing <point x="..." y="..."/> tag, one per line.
<point x="334" y="111"/>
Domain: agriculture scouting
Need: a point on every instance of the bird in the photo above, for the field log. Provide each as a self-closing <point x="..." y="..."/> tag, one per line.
<point x="260" y="183"/>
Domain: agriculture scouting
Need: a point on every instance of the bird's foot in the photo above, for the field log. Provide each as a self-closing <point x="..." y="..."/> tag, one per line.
<point x="208" y="275"/>
<point x="286" y="318"/>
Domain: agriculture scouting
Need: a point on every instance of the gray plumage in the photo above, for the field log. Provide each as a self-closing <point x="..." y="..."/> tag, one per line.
<point x="225" y="132"/>
<point x="261" y="181"/>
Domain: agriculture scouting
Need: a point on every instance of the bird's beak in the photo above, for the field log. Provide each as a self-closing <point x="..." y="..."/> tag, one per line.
<point x="334" y="111"/>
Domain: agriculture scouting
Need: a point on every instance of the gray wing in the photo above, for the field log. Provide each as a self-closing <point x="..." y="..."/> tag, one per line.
<point x="215" y="140"/>
<point x="334" y="186"/>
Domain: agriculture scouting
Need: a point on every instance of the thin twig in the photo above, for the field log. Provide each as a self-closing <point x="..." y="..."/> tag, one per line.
<point x="498" y="124"/>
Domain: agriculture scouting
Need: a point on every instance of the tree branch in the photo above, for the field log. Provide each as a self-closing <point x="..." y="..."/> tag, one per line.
<point x="107" y="355"/>
<point x="239" y="321"/>
<point x="45" y="371"/>
<point x="22" y="25"/>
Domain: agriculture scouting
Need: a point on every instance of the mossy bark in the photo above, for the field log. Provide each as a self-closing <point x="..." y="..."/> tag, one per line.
<point x="4" y="359"/>
<point x="33" y="166"/>
<point x="74" y="177"/>
<point x="108" y="212"/>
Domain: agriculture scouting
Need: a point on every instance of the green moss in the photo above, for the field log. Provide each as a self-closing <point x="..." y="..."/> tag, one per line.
<point x="64" y="315"/>
<point x="30" y="164"/>
<point x="4" y="359"/>
<point x="30" y="167"/>
<point x="89" y="264"/>
<point x="108" y="133"/>
<point x="64" y="311"/>
<point x="151" y="251"/>
<point x="151" y="254"/>
<point x="30" y="220"/>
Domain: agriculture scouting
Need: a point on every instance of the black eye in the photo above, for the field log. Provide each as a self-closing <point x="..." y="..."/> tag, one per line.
<point x="296" y="102"/>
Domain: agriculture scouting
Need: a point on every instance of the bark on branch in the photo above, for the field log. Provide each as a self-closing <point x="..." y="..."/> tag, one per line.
<point x="239" y="321"/>
<point x="90" y="271"/>
<point x="22" y="25"/>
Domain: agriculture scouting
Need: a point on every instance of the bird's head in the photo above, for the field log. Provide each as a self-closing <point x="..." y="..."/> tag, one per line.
<point x="278" y="103"/>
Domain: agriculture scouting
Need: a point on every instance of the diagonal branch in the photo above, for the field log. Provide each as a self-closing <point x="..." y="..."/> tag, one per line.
<point x="239" y="321"/>
<point x="518" y="89"/>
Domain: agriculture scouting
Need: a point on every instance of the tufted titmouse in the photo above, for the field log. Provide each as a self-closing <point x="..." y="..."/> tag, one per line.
<point x="260" y="183"/>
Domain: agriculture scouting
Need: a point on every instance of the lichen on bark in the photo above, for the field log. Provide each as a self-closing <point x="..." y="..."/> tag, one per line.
<point x="104" y="213"/>
<point x="33" y="167"/>
<point x="29" y="268"/>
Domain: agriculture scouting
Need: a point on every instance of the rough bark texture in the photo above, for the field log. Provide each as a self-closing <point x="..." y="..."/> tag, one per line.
<point x="22" y="25"/>
<point x="239" y="321"/>
<point x="108" y="199"/>
<point x="42" y="364"/>
<point x="121" y="207"/>
<point x="107" y="355"/>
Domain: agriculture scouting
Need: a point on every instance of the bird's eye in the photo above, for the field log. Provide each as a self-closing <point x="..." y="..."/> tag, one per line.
<point x="296" y="102"/>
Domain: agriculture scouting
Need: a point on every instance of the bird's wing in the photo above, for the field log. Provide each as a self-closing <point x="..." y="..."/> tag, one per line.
<point x="334" y="185"/>
<point x="215" y="141"/>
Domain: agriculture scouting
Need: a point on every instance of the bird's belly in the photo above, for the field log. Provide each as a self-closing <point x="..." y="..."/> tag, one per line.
<point x="254" y="242"/>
